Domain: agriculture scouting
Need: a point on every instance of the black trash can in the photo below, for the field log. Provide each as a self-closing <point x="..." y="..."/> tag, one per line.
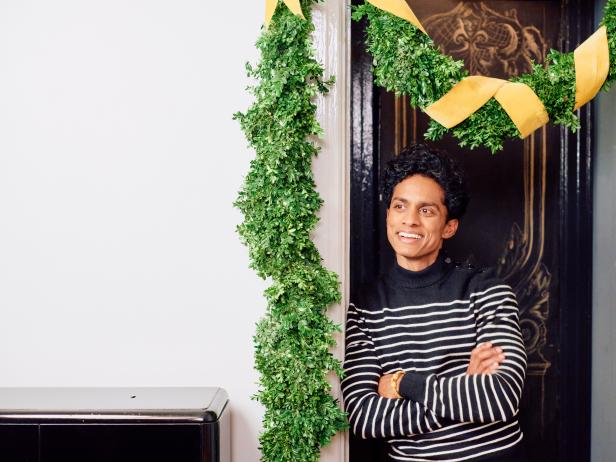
<point x="114" y="424"/>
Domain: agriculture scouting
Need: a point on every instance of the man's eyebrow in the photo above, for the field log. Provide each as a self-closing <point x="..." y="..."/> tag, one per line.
<point x="421" y="204"/>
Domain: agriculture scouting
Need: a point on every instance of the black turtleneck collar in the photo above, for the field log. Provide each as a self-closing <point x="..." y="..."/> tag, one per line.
<point x="434" y="273"/>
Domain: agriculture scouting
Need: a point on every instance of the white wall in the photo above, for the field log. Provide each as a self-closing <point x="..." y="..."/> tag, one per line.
<point x="604" y="290"/>
<point x="119" y="161"/>
<point x="603" y="437"/>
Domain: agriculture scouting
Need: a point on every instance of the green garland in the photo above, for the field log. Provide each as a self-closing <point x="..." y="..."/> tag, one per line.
<point x="280" y="204"/>
<point x="406" y="61"/>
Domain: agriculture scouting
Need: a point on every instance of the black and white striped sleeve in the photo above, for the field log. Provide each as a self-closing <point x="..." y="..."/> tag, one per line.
<point x="480" y="398"/>
<point x="370" y="415"/>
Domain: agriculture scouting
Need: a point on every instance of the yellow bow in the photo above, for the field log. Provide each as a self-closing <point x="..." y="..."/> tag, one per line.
<point x="270" y="8"/>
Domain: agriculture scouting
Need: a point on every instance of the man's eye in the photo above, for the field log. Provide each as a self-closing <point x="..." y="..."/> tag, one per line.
<point x="426" y="211"/>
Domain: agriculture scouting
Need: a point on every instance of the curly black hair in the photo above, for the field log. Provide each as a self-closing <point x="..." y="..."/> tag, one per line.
<point x="418" y="159"/>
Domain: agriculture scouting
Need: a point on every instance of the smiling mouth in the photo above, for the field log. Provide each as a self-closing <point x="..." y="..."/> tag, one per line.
<point x="409" y="237"/>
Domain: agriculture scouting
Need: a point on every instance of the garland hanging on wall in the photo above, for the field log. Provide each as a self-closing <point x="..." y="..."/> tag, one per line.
<point x="280" y="204"/>
<point x="484" y="111"/>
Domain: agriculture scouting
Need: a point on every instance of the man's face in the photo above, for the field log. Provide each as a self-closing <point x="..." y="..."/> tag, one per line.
<point x="417" y="222"/>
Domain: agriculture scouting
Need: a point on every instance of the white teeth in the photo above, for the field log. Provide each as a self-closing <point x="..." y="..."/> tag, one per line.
<point x="411" y="235"/>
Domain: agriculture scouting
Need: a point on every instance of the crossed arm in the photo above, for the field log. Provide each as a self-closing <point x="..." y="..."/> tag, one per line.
<point x="489" y="391"/>
<point x="370" y="414"/>
<point x="485" y="359"/>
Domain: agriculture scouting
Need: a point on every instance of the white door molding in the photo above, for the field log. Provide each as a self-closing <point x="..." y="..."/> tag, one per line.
<point x="332" y="40"/>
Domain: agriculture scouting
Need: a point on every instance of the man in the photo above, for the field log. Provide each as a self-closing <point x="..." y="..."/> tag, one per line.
<point x="435" y="362"/>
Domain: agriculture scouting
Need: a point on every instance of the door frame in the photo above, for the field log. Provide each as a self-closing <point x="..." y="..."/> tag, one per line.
<point x="331" y="171"/>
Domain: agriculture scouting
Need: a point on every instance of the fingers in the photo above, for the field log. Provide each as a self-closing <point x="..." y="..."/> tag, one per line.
<point x="490" y="364"/>
<point x="487" y="353"/>
<point x="485" y="359"/>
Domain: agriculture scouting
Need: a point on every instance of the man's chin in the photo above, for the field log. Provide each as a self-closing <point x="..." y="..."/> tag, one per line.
<point x="416" y="258"/>
<point x="417" y="255"/>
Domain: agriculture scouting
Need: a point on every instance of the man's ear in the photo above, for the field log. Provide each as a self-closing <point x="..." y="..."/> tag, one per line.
<point x="450" y="228"/>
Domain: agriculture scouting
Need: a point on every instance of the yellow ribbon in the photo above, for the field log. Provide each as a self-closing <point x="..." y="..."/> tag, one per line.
<point x="519" y="101"/>
<point x="525" y="109"/>
<point x="592" y="64"/>
<point x="399" y="8"/>
<point x="270" y="8"/>
<point x="466" y="97"/>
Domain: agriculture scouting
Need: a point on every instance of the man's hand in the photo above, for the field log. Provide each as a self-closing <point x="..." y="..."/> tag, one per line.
<point x="485" y="359"/>
<point x="386" y="390"/>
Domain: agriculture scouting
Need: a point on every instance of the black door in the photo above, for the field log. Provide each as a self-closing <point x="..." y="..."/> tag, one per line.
<point x="530" y="212"/>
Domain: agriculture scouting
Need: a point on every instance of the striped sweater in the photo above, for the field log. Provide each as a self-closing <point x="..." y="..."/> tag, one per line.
<point x="426" y="323"/>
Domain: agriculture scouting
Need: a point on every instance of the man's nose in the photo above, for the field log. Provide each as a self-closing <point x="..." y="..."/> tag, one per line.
<point x="411" y="217"/>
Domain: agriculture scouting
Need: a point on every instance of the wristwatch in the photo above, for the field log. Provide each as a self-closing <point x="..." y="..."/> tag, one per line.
<point x="395" y="382"/>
